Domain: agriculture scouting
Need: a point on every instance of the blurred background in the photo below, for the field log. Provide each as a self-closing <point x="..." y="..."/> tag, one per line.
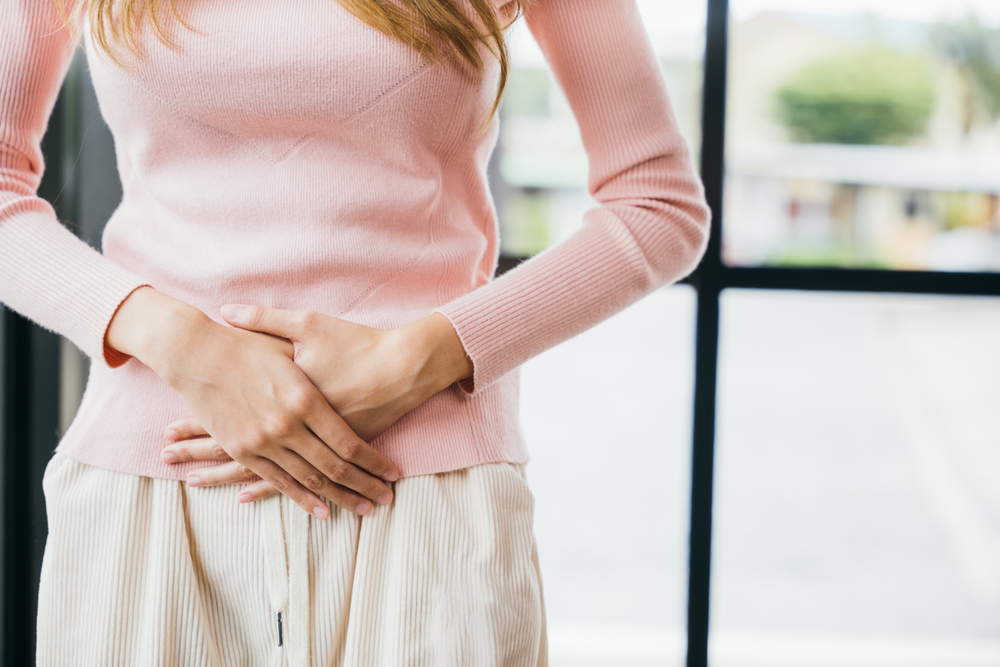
<point x="856" y="471"/>
<point x="857" y="457"/>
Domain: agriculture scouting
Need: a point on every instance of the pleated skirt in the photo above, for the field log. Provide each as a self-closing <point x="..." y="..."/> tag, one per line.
<point x="144" y="571"/>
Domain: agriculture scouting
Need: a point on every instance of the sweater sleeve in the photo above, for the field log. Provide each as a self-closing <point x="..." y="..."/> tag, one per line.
<point x="652" y="225"/>
<point x="46" y="273"/>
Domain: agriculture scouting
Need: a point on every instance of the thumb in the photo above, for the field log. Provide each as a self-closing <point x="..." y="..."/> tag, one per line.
<point x="265" y="320"/>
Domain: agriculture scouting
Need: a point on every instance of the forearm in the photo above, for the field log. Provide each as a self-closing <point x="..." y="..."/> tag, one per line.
<point x="441" y="358"/>
<point x="146" y="321"/>
<point x="162" y="332"/>
<point x="651" y="227"/>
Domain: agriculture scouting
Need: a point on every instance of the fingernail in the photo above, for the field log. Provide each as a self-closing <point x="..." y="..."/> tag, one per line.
<point x="363" y="508"/>
<point x="194" y="481"/>
<point x="231" y="312"/>
<point x="385" y="498"/>
<point x="171" y="434"/>
<point x="391" y="476"/>
<point x="246" y="497"/>
<point x="169" y="457"/>
<point x="320" y="512"/>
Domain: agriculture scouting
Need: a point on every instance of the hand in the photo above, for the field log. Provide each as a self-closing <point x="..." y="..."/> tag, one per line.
<point x="371" y="377"/>
<point x="258" y="406"/>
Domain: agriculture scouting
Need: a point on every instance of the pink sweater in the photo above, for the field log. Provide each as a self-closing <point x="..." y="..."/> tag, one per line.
<point x="292" y="156"/>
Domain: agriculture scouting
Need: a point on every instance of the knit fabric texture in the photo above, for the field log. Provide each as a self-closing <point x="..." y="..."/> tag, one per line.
<point x="288" y="155"/>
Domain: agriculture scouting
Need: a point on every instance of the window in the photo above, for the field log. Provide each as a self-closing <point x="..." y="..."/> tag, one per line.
<point x="863" y="133"/>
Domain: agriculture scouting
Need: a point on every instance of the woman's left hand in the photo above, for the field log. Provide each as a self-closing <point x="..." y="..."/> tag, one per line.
<point x="371" y="378"/>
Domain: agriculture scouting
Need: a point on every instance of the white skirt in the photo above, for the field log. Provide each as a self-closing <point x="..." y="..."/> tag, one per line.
<point x="144" y="571"/>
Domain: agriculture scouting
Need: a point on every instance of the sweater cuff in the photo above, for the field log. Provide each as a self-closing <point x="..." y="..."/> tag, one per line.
<point x="478" y="341"/>
<point x="52" y="277"/>
<point x="100" y="295"/>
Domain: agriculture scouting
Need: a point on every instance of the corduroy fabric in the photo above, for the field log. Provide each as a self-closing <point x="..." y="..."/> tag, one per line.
<point x="143" y="571"/>
<point x="286" y="154"/>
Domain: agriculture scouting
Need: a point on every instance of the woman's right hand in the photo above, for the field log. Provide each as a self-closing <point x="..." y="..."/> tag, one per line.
<point x="257" y="405"/>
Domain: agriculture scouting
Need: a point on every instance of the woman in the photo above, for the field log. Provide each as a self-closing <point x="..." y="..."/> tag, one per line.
<point x="301" y="269"/>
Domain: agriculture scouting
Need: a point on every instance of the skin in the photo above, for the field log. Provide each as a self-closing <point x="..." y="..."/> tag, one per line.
<point x="267" y="403"/>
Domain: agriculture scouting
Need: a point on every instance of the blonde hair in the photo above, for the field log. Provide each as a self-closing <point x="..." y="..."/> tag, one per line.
<point x="436" y="29"/>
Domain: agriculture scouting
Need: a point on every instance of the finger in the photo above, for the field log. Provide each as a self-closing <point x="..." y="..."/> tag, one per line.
<point x="198" y="449"/>
<point x="316" y="482"/>
<point x="284" y="323"/>
<point x="262" y="489"/>
<point x="345" y="474"/>
<point x="338" y="436"/>
<point x="183" y="429"/>
<point x="227" y="473"/>
<point x="256" y="491"/>
<point x="284" y="482"/>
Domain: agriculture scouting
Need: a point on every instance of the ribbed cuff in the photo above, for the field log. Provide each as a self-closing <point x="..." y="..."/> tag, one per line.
<point x="55" y="279"/>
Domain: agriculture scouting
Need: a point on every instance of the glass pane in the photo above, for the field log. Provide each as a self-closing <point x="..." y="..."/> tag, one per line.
<point x="857" y="507"/>
<point x="607" y="418"/>
<point x="864" y="133"/>
<point x="540" y="167"/>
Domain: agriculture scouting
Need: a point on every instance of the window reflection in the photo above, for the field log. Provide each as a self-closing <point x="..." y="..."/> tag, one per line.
<point x="864" y="134"/>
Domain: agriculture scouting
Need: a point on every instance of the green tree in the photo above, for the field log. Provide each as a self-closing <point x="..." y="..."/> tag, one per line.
<point x="869" y="96"/>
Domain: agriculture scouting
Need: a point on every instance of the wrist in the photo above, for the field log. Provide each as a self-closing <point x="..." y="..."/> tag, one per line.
<point x="152" y="326"/>
<point x="443" y="360"/>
